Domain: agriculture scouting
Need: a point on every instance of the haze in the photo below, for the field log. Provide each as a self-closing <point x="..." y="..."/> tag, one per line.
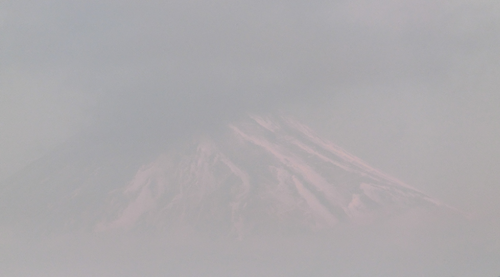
<point x="412" y="87"/>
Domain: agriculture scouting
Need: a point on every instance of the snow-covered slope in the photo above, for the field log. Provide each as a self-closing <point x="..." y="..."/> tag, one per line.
<point x="261" y="175"/>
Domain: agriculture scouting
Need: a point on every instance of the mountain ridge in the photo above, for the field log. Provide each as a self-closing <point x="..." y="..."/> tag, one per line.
<point x="262" y="174"/>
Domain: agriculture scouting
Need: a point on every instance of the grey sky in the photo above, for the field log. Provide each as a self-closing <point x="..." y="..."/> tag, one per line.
<point x="410" y="86"/>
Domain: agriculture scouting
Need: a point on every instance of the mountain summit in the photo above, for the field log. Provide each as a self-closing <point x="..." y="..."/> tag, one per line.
<point x="262" y="174"/>
<point x="265" y="173"/>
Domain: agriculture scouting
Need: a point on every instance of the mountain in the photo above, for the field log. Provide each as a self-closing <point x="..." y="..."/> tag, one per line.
<point x="263" y="174"/>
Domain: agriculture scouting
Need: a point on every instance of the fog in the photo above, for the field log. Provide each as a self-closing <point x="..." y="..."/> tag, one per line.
<point x="411" y="87"/>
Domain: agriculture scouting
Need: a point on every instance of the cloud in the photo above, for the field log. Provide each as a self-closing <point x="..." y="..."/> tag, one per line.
<point x="411" y="86"/>
<point x="190" y="65"/>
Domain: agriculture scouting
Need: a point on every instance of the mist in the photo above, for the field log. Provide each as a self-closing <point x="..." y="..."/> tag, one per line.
<point x="411" y="87"/>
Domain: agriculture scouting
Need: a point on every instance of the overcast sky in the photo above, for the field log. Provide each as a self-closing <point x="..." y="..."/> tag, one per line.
<point x="410" y="86"/>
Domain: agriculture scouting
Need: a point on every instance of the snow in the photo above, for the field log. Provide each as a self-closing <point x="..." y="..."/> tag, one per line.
<point x="351" y="159"/>
<point x="292" y="184"/>
<point x="318" y="209"/>
<point x="266" y="123"/>
<point x="142" y="199"/>
<point x="299" y="166"/>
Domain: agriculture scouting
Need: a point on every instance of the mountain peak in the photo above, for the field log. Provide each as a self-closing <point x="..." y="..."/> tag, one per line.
<point x="262" y="174"/>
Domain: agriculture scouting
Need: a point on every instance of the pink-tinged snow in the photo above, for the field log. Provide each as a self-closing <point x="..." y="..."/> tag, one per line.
<point x="282" y="192"/>
<point x="237" y="204"/>
<point x="334" y="149"/>
<point x="295" y="186"/>
<point x="356" y="204"/>
<point x="351" y="159"/>
<point x="142" y="194"/>
<point x="311" y="151"/>
<point x="358" y="211"/>
<point x="266" y="123"/>
<point x="299" y="166"/>
<point x="320" y="212"/>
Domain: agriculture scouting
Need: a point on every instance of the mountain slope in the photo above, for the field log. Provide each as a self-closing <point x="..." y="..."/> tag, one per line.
<point x="261" y="175"/>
